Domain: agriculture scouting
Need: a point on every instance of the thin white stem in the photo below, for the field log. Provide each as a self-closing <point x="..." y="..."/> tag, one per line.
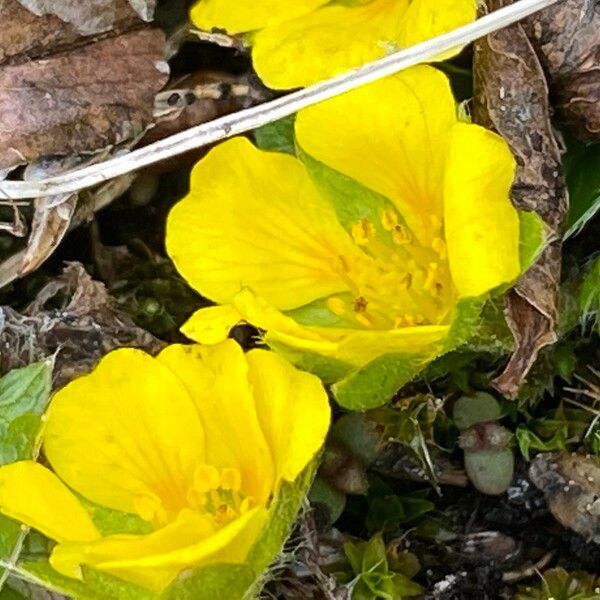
<point x="246" y="120"/>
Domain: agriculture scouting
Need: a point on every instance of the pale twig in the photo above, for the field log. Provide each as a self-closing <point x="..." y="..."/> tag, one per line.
<point x="246" y="120"/>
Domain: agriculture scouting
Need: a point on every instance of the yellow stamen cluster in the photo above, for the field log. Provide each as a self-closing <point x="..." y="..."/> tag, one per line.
<point x="219" y="494"/>
<point x="397" y="281"/>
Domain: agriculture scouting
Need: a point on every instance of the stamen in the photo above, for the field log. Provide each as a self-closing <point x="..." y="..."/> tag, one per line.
<point x="401" y="235"/>
<point x="439" y="247"/>
<point x="362" y="232"/>
<point x="389" y="219"/>
<point x="336" y="305"/>
<point x="231" y="479"/>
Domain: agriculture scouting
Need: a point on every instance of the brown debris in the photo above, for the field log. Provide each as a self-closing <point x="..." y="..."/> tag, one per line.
<point x="512" y="98"/>
<point x="571" y="484"/>
<point x="80" y="100"/>
<point x="85" y="327"/>
<point x="88" y="17"/>
<point x="566" y="37"/>
<point x="25" y="36"/>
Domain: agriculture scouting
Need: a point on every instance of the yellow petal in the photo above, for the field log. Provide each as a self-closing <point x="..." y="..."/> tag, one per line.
<point x="35" y="496"/>
<point x="353" y="346"/>
<point x="154" y="560"/>
<point x="254" y="219"/>
<point x="247" y="15"/>
<point x="429" y="18"/>
<point x="293" y="411"/>
<point x="217" y="379"/>
<point x="126" y="436"/>
<point x="399" y="149"/>
<point x="211" y="325"/>
<point x="326" y="42"/>
<point x="482" y="226"/>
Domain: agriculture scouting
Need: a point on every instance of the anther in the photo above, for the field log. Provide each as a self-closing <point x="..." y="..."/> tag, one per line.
<point x="389" y="219"/>
<point x="401" y="235"/>
<point x="362" y="232"/>
<point x="360" y="305"/>
<point x="336" y="305"/>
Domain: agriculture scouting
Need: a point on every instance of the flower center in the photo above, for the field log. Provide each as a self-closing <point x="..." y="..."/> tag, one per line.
<point x="218" y="493"/>
<point x="396" y="281"/>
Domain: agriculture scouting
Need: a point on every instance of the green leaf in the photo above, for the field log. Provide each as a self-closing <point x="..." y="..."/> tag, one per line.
<point x="214" y="582"/>
<point x="9" y="594"/>
<point x="350" y="200"/>
<point x="277" y="136"/>
<point x="19" y="441"/>
<point x="583" y="182"/>
<point x="94" y="586"/>
<point x="110" y="522"/>
<point x="329" y="370"/>
<point x="25" y="390"/>
<point x="533" y="237"/>
<point x="282" y="516"/>
<point x="24" y="394"/>
<point x="377" y="383"/>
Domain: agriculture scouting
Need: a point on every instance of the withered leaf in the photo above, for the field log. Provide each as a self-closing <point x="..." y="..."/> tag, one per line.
<point x="82" y="330"/>
<point x="25" y="36"/>
<point x="571" y="484"/>
<point x="512" y="98"/>
<point x="566" y="37"/>
<point x="89" y="16"/>
<point x="80" y="100"/>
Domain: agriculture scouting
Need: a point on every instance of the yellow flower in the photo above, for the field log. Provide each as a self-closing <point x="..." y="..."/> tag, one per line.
<point x="195" y="442"/>
<point x="345" y="271"/>
<point x="299" y="42"/>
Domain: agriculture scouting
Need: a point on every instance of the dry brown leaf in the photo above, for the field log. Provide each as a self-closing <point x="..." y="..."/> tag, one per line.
<point x="81" y="100"/>
<point x="571" y="484"/>
<point x="51" y="220"/>
<point x="512" y="98"/>
<point x="88" y="16"/>
<point x="25" y="36"/>
<point x="566" y="37"/>
<point x="81" y="331"/>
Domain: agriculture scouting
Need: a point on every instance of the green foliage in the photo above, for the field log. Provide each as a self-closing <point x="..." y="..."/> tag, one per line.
<point x="94" y="586"/>
<point x="583" y="182"/>
<point x="24" y="391"/>
<point x="111" y="522"/>
<point x="24" y="395"/>
<point x="214" y="582"/>
<point x="277" y="136"/>
<point x="558" y="584"/>
<point x="557" y="431"/>
<point x="389" y="512"/>
<point x="478" y="407"/>
<point x="372" y="576"/>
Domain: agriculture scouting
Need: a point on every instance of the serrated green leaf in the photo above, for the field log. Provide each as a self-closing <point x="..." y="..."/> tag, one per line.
<point x="214" y="582"/>
<point x="94" y="586"/>
<point x="277" y="136"/>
